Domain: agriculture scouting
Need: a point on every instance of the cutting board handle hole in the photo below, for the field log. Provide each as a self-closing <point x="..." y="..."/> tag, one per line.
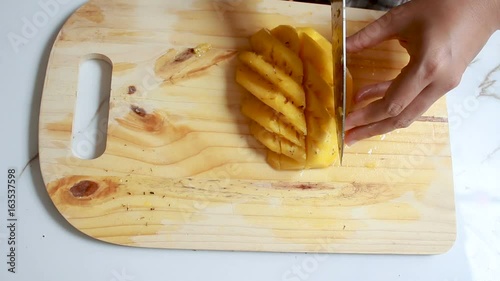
<point x="90" y="123"/>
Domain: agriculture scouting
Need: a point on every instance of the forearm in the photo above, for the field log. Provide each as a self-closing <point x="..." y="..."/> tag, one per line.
<point x="496" y="7"/>
<point x="488" y="12"/>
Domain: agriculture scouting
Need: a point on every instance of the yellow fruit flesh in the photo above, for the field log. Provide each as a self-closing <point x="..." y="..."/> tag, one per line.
<point x="321" y="139"/>
<point x="271" y="120"/>
<point x="268" y="139"/>
<point x="287" y="35"/>
<point x="290" y="89"/>
<point x="273" y="51"/>
<point x="271" y="96"/>
<point x="277" y="144"/>
<point x="282" y="162"/>
<point x="316" y="36"/>
<point x="318" y="56"/>
<point x="297" y="137"/>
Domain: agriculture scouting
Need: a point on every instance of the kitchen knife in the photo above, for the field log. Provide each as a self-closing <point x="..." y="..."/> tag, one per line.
<point x="339" y="70"/>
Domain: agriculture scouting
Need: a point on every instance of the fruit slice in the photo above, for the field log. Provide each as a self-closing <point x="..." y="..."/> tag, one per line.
<point x="268" y="139"/>
<point x="327" y="46"/>
<point x="289" y="75"/>
<point x="270" y="95"/>
<point x="277" y="144"/>
<point x="287" y="35"/>
<point x="268" y="118"/>
<point x="293" y="151"/>
<point x="291" y="89"/>
<point x="274" y="52"/>
<point x="321" y="140"/>
<point x="282" y="162"/>
<point x="316" y="36"/>
<point x="319" y="56"/>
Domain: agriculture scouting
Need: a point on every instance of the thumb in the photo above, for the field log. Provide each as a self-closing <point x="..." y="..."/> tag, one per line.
<point x="378" y="31"/>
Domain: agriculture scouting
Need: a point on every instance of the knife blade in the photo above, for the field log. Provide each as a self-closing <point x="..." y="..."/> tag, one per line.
<point x="339" y="70"/>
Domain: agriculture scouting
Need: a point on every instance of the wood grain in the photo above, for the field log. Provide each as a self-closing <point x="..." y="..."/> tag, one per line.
<point x="180" y="169"/>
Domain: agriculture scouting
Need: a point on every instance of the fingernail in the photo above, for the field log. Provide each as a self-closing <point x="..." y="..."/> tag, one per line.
<point x="360" y="95"/>
<point x="348" y="125"/>
<point x="350" y="142"/>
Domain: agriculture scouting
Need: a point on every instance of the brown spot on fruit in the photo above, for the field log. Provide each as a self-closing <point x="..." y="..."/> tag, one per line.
<point x="84" y="189"/>
<point x="132" y="89"/>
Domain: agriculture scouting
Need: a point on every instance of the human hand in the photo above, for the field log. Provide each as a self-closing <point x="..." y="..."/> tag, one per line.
<point x="441" y="37"/>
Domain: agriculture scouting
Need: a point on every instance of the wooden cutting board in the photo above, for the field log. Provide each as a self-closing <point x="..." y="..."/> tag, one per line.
<point x="180" y="169"/>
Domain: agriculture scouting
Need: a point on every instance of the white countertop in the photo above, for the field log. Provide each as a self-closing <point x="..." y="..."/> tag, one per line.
<point x="48" y="248"/>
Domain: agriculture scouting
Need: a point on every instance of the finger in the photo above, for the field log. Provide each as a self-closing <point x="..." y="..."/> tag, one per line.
<point x="401" y="92"/>
<point x="380" y="30"/>
<point x="418" y="107"/>
<point x="371" y="92"/>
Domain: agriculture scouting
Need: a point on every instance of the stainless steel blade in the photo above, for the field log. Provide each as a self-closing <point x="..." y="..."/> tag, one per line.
<point x="339" y="70"/>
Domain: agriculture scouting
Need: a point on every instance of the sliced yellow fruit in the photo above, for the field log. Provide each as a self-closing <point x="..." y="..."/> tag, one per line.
<point x="316" y="36"/>
<point x="271" y="120"/>
<point x="277" y="144"/>
<point x="321" y="140"/>
<point x="290" y="88"/>
<point x="315" y="85"/>
<point x="293" y="151"/>
<point x="287" y="35"/>
<point x="270" y="95"/>
<point x="318" y="56"/>
<point x="282" y="162"/>
<point x="273" y="51"/>
<point x="289" y="75"/>
<point x="268" y="139"/>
